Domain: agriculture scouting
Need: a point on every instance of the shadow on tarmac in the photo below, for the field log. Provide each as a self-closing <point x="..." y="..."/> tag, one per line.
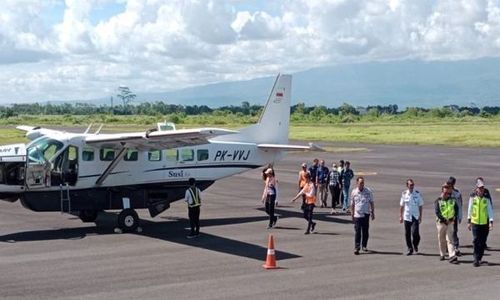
<point x="171" y="231"/>
<point x="317" y="216"/>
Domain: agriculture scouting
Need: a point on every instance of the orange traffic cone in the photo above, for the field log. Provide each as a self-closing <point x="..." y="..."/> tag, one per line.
<point x="271" y="257"/>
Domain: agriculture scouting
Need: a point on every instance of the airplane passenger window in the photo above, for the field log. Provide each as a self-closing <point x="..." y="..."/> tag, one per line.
<point x="154" y="155"/>
<point x="131" y="155"/>
<point x="107" y="154"/>
<point x="171" y="154"/>
<point x="202" y="154"/>
<point x="187" y="154"/>
<point x="88" y="154"/>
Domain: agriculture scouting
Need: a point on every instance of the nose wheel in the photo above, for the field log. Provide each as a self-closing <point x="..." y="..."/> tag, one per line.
<point x="128" y="220"/>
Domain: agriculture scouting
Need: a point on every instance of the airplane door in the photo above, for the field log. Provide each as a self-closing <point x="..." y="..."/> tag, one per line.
<point x="38" y="166"/>
<point x="65" y="167"/>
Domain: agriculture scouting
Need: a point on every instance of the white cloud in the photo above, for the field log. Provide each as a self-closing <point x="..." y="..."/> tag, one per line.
<point x="163" y="45"/>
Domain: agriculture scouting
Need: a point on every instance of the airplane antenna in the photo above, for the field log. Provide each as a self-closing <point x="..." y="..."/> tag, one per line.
<point x="99" y="130"/>
<point x="88" y="128"/>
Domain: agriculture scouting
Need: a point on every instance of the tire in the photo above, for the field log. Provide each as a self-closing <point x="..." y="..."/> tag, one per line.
<point x="88" y="216"/>
<point x="128" y="220"/>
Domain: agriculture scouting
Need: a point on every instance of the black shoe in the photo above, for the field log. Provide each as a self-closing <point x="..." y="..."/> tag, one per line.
<point x="453" y="260"/>
<point x="356" y="252"/>
<point x="313" y="226"/>
<point x="275" y="221"/>
<point x="416" y="250"/>
<point x="476" y="264"/>
<point x="364" y="249"/>
<point x="307" y="232"/>
<point x="483" y="262"/>
<point x="409" y="252"/>
<point x="441" y="258"/>
<point x="458" y="253"/>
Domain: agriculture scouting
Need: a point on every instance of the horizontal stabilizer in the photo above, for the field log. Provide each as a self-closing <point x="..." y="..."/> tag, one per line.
<point x="310" y="147"/>
<point x="36" y="132"/>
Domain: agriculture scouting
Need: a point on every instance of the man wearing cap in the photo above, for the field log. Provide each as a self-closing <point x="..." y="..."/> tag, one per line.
<point x="334" y="186"/>
<point x="446" y="210"/>
<point x="486" y="194"/>
<point x="480" y="221"/>
<point x="193" y="201"/>
<point x="480" y="181"/>
<point x="455" y="193"/>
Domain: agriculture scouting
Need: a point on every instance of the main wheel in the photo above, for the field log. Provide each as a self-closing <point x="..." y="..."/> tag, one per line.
<point x="88" y="216"/>
<point x="128" y="220"/>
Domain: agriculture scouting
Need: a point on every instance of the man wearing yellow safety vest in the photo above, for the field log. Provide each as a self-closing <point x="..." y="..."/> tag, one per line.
<point x="480" y="220"/>
<point x="446" y="210"/>
<point x="193" y="200"/>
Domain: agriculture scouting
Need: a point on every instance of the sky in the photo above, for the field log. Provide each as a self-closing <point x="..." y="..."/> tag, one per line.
<point x="76" y="49"/>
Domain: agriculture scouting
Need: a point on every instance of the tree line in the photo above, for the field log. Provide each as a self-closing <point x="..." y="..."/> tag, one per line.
<point x="161" y="108"/>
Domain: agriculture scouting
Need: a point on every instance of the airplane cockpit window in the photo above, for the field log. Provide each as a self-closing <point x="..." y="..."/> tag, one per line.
<point x="154" y="155"/>
<point x="88" y="154"/>
<point x="171" y="154"/>
<point x="202" y="154"/>
<point x="107" y="154"/>
<point x="186" y="155"/>
<point x="43" y="150"/>
<point x="131" y="155"/>
<point x="65" y="167"/>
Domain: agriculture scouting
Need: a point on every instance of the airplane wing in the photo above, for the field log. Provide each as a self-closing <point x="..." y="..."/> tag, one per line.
<point x="310" y="147"/>
<point x="157" y="139"/>
<point x="35" y="132"/>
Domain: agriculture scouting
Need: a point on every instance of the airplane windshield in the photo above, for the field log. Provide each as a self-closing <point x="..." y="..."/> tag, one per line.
<point x="43" y="150"/>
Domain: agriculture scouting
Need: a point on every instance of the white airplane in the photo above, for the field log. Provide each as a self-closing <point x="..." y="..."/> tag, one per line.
<point x="85" y="173"/>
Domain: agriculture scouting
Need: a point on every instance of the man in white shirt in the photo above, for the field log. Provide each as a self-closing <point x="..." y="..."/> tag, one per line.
<point x="411" y="213"/>
<point x="362" y="207"/>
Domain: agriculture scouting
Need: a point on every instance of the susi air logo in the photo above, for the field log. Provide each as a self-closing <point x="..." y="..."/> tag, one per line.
<point x="178" y="173"/>
<point x="280" y="92"/>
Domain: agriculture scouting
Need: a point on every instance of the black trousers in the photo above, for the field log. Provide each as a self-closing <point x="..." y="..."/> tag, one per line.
<point x="412" y="234"/>
<point x="194" y="219"/>
<point x="308" y="215"/>
<point x="270" y="202"/>
<point x="479" y="234"/>
<point x="335" y="192"/>
<point x="361" y="226"/>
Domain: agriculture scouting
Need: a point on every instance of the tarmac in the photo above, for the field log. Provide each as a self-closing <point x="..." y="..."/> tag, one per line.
<point x="54" y="256"/>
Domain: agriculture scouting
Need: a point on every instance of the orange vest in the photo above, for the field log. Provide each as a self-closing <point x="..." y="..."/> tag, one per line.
<point x="307" y="190"/>
<point x="302" y="178"/>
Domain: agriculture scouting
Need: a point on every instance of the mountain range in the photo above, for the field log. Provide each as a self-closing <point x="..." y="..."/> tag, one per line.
<point x="405" y="83"/>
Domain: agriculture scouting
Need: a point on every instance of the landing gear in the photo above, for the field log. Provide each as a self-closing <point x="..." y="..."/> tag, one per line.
<point x="88" y="216"/>
<point x="128" y="220"/>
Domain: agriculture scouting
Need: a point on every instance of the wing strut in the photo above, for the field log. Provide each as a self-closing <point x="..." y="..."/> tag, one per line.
<point x="111" y="166"/>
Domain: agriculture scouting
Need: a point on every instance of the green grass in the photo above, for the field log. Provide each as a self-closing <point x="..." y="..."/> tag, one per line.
<point x="485" y="134"/>
<point x="470" y="133"/>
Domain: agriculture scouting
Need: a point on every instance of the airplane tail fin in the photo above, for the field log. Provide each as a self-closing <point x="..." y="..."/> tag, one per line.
<point x="274" y="120"/>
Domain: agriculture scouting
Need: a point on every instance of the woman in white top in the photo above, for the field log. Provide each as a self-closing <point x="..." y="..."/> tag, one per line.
<point x="269" y="196"/>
